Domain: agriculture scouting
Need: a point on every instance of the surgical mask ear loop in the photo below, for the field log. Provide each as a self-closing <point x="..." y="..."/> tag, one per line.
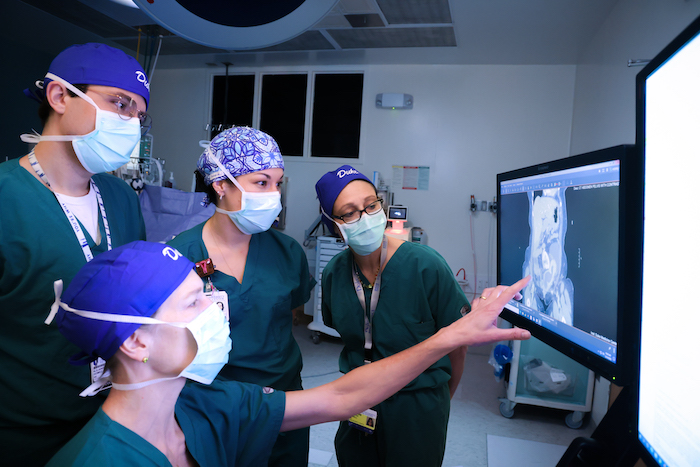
<point x="228" y="175"/>
<point x="72" y="88"/>
<point x="36" y="137"/>
<point x="342" y="232"/>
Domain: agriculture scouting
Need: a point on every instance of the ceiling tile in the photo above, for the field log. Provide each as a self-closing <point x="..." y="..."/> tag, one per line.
<point x="394" y="37"/>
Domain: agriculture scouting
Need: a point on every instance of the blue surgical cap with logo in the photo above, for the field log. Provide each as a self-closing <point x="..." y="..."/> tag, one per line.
<point x="100" y="64"/>
<point x="331" y="184"/>
<point x="133" y="279"/>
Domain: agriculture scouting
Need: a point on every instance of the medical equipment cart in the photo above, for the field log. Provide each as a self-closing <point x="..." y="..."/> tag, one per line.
<point x="524" y="388"/>
<point x="326" y="248"/>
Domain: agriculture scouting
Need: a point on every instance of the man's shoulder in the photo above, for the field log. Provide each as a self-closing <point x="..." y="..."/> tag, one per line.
<point x="8" y="168"/>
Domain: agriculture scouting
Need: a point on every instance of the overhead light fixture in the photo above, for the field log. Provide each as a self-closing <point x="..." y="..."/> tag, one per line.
<point x="236" y="25"/>
<point x="389" y="100"/>
<point x="129" y="3"/>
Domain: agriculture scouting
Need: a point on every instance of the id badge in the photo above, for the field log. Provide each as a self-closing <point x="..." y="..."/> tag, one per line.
<point x="97" y="369"/>
<point x="365" y="421"/>
<point x="221" y="299"/>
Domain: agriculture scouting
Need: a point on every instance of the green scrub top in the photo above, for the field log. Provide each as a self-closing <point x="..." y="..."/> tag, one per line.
<point x="225" y="424"/>
<point x="418" y="296"/>
<point x="276" y="280"/>
<point x="41" y="408"/>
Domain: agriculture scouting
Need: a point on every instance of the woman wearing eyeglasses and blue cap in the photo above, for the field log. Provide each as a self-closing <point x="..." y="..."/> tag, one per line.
<point x="141" y="307"/>
<point x="384" y="295"/>
<point x="261" y="274"/>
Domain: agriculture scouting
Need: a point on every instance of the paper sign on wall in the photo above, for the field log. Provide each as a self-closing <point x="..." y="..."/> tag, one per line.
<point x="409" y="177"/>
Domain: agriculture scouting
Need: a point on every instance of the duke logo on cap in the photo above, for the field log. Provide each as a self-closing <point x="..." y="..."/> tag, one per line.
<point x="100" y="64"/>
<point x="343" y="172"/>
<point x="331" y="184"/>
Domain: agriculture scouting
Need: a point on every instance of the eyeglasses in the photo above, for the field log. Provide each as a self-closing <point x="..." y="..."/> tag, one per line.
<point x="127" y="108"/>
<point x="354" y="216"/>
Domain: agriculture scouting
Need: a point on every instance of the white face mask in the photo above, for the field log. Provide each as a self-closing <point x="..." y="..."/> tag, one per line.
<point x="258" y="210"/>
<point x="106" y="148"/>
<point x="210" y="330"/>
<point x="364" y="236"/>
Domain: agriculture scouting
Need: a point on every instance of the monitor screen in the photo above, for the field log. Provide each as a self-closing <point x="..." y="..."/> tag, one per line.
<point x="398" y="213"/>
<point x="668" y="126"/>
<point x="561" y="224"/>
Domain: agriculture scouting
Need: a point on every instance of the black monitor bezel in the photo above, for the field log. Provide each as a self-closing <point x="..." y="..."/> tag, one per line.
<point x="690" y="32"/>
<point x="404" y="209"/>
<point x="624" y="370"/>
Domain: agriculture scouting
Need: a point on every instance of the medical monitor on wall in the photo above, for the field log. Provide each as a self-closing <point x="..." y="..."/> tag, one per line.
<point x="562" y="224"/>
<point x="397" y="213"/>
<point x="668" y="135"/>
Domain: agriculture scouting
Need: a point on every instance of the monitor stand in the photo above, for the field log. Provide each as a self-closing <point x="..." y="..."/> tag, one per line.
<point x="613" y="443"/>
<point x="397" y="230"/>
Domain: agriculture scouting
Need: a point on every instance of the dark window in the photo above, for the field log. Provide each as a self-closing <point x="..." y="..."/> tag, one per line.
<point x="232" y="104"/>
<point x="283" y="111"/>
<point x="336" y="117"/>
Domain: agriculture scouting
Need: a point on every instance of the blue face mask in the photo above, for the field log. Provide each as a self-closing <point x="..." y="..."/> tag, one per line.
<point x="106" y="148"/>
<point x="364" y="236"/>
<point x="258" y="210"/>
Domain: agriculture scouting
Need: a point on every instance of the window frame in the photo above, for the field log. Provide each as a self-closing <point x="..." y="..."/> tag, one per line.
<point x="311" y="73"/>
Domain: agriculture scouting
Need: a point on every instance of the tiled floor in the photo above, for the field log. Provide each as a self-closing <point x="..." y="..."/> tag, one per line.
<point x="474" y="415"/>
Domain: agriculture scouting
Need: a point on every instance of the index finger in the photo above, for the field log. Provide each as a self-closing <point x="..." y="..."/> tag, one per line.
<point x="501" y="294"/>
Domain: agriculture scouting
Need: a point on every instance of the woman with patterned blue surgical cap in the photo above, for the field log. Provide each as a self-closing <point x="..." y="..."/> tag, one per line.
<point x="141" y="307"/>
<point x="261" y="274"/>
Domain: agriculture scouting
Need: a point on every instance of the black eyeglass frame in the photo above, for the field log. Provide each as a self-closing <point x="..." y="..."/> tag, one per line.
<point x="361" y="211"/>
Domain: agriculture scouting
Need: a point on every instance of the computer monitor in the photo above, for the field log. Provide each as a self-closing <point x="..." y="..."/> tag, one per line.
<point x="668" y="125"/>
<point x="563" y="224"/>
<point x="398" y="213"/>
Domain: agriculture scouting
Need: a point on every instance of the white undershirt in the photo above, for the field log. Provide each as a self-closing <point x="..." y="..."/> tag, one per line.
<point x="84" y="208"/>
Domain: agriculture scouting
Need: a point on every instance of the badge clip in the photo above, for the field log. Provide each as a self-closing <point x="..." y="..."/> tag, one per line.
<point x="204" y="268"/>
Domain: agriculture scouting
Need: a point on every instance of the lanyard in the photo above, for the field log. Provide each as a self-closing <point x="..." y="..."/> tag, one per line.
<point x="71" y="218"/>
<point x="373" y="300"/>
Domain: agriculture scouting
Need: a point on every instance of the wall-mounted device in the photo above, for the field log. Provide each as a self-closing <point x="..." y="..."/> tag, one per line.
<point x="390" y="100"/>
<point x="397" y="216"/>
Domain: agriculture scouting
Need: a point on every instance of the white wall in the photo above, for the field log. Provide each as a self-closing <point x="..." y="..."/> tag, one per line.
<point x="604" y="108"/>
<point x="604" y="105"/>
<point x="468" y="124"/>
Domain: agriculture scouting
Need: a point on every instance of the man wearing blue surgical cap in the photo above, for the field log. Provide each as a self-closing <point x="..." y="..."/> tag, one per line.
<point x="59" y="211"/>
<point x="142" y="308"/>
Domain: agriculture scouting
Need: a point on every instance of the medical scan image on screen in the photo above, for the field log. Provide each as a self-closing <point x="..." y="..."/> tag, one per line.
<point x="550" y="291"/>
<point x="562" y="229"/>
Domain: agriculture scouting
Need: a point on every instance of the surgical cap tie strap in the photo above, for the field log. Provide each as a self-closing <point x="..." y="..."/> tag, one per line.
<point x="98" y="386"/>
<point x="103" y="383"/>
<point x="111" y="317"/>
